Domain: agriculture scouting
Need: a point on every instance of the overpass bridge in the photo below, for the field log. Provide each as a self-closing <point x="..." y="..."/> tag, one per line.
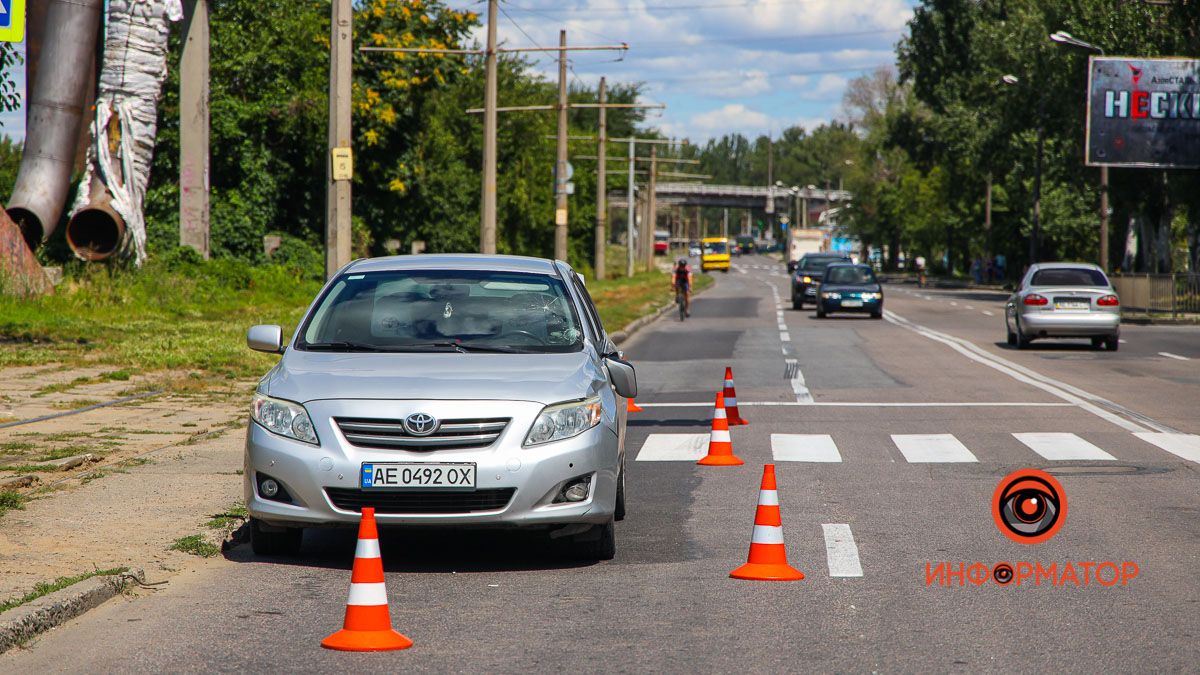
<point x="732" y="196"/>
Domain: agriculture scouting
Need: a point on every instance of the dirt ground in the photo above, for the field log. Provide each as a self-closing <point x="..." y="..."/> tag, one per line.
<point x="162" y="466"/>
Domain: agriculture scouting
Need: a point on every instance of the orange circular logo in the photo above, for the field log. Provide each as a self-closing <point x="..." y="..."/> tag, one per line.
<point x="1029" y="506"/>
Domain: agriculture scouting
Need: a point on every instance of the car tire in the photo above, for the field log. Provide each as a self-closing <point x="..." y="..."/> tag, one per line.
<point x="877" y="315"/>
<point x="1011" y="337"/>
<point x="820" y="311"/>
<point x="275" y="541"/>
<point x="1022" y="341"/>
<point x="619" y="510"/>
<point x="797" y="304"/>
<point x="1112" y="343"/>
<point x="1098" y="343"/>
<point x="598" y="543"/>
<point x="726" y="270"/>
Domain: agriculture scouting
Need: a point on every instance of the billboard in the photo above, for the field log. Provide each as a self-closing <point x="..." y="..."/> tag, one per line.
<point x="1143" y="112"/>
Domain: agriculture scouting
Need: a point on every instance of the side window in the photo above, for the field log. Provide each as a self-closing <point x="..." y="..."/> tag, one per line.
<point x="589" y="310"/>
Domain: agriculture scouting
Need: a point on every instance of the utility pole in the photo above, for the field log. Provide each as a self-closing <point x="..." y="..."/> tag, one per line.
<point x="1104" y="218"/>
<point x="560" y="175"/>
<point x="340" y="167"/>
<point x="194" y="130"/>
<point x="601" y="187"/>
<point x="725" y="223"/>
<point x="629" y="212"/>
<point x="487" y="211"/>
<point x="651" y="208"/>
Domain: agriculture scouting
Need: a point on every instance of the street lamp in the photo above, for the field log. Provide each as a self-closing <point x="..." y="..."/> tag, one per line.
<point x="1062" y="37"/>
<point x="1035" y="236"/>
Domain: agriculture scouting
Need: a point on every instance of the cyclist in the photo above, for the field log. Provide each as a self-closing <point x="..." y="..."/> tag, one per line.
<point x="681" y="282"/>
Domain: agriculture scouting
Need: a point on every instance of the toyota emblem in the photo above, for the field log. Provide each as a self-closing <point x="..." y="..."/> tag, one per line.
<point x="420" y="424"/>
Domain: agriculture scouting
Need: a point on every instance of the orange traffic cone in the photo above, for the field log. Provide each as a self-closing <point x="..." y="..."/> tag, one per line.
<point x="735" y="419"/>
<point x="768" y="555"/>
<point x="720" y="448"/>
<point x="367" y="627"/>
<point x="632" y="406"/>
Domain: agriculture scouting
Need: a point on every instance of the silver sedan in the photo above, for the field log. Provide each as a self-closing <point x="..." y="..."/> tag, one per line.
<point x="458" y="391"/>
<point x="1064" y="300"/>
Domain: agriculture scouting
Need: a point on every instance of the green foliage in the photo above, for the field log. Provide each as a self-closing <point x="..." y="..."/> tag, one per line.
<point x="195" y="544"/>
<point x="9" y="500"/>
<point x="10" y="98"/>
<point x="10" y="162"/>
<point x="45" y="588"/>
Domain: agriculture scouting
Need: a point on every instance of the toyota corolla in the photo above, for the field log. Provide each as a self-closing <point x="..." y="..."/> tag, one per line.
<point x="455" y="391"/>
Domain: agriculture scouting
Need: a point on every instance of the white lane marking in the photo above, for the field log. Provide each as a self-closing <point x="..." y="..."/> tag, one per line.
<point x="782" y="327"/>
<point x="741" y="270"/>
<point x="1186" y="446"/>
<point x="785" y="337"/>
<point x="840" y="551"/>
<point x="968" y="307"/>
<point x="1057" y="447"/>
<point x="932" y="448"/>
<point x="799" y="386"/>
<point x="1122" y="341"/>
<point x="877" y="404"/>
<point x="1177" y="357"/>
<point x="953" y="303"/>
<point x="804" y="448"/>
<point x="1062" y="390"/>
<point x="987" y="312"/>
<point x="673" y="448"/>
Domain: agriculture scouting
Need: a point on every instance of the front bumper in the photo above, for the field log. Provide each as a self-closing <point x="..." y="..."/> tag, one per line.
<point x="874" y="306"/>
<point x="714" y="263"/>
<point x="1070" y="324"/>
<point x="534" y="474"/>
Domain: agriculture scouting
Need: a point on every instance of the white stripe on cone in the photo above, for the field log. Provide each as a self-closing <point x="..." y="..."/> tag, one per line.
<point x="730" y="402"/>
<point x="718" y="413"/>
<point x="768" y="498"/>
<point x="367" y="595"/>
<point x="729" y="384"/>
<point x="719" y="436"/>
<point x="767" y="534"/>
<point x="367" y="548"/>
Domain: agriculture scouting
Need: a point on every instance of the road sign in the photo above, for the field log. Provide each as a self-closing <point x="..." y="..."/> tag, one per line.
<point x="12" y="20"/>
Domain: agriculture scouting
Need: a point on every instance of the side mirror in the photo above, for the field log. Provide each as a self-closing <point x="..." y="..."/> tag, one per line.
<point x="622" y="376"/>
<point x="265" y="338"/>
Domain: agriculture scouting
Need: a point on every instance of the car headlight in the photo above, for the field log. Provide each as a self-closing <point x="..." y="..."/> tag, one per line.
<point x="872" y="296"/>
<point x="808" y="280"/>
<point x="283" y="417"/>
<point x="832" y="295"/>
<point x="564" y="420"/>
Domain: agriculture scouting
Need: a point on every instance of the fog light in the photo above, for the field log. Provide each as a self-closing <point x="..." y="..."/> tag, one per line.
<point x="577" y="491"/>
<point x="269" y="488"/>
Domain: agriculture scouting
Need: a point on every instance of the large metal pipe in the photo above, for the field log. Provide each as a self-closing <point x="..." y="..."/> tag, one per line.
<point x="96" y="231"/>
<point x="55" y="116"/>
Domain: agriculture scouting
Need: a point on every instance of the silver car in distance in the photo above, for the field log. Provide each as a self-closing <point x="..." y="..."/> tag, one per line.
<point x="443" y="390"/>
<point x="1064" y="300"/>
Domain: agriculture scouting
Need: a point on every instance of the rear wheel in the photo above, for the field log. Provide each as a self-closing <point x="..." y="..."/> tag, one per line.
<point x="275" y="541"/>
<point x="1022" y="340"/>
<point x="1112" y="343"/>
<point x="1097" y="343"/>
<point x="1012" y="337"/>
<point x="598" y="543"/>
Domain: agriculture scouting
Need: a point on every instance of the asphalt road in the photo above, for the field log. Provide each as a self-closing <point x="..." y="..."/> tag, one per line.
<point x="932" y="381"/>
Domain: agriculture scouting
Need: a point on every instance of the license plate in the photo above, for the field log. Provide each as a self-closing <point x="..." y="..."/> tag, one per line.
<point x="459" y="476"/>
<point x="810" y="291"/>
<point x="852" y="303"/>
<point x="1071" y="305"/>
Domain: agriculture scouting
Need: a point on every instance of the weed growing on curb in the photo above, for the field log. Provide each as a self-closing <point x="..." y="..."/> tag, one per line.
<point x="194" y="544"/>
<point x="47" y="587"/>
<point x="11" y="499"/>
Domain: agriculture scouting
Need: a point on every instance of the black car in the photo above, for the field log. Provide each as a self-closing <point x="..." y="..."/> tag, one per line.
<point x="807" y="277"/>
<point x="850" y="288"/>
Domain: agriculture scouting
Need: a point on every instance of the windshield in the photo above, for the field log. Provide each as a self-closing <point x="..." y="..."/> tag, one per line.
<point x="714" y="247"/>
<point x="849" y="275"/>
<point x="444" y="310"/>
<point x="1068" y="276"/>
<point x="819" y="264"/>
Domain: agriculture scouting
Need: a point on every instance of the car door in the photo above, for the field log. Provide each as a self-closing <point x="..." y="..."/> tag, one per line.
<point x="604" y="345"/>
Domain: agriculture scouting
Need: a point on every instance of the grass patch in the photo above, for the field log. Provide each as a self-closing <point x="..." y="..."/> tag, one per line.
<point x="10" y="500"/>
<point x="16" y="446"/>
<point x="30" y="468"/>
<point x="194" y="544"/>
<point x="234" y="516"/>
<point x="621" y="300"/>
<point x="47" y="587"/>
<point x="116" y="375"/>
<point x="92" y="476"/>
<point x="59" y="387"/>
<point x="59" y="453"/>
<point x="174" y="315"/>
<point x="135" y="461"/>
<point x="74" y="404"/>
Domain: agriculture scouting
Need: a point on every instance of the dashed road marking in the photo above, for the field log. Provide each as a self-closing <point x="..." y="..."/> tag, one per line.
<point x="932" y="448"/>
<point x="968" y="307"/>
<point x="841" y="553"/>
<point x="987" y="313"/>
<point x="1186" y="446"/>
<point x="796" y="378"/>
<point x="785" y="337"/>
<point x="1055" y="446"/>
<point x="673" y="448"/>
<point x="804" y="448"/>
<point x="1177" y="357"/>
<point x="953" y="303"/>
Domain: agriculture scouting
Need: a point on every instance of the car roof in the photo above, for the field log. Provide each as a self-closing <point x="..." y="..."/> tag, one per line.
<point x="826" y="254"/>
<point x="453" y="261"/>
<point x="708" y="239"/>
<point x="1066" y="265"/>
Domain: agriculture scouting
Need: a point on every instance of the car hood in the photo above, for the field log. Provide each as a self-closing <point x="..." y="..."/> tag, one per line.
<point x="304" y="376"/>
<point x="851" y="288"/>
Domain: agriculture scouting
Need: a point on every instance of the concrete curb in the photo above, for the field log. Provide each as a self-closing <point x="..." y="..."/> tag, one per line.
<point x="634" y="326"/>
<point x="33" y="618"/>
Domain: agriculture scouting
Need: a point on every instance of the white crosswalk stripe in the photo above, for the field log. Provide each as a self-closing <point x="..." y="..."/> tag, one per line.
<point x="674" y="448"/>
<point x="1057" y="447"/>
<point x="841" y="553"/>
<point x="932" y="448"/>
<point x="1186" y="446"/>
<point x="804" y="448"/>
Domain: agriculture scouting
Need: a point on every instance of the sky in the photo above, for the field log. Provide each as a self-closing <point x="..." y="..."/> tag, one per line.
<point x="720" y="66"/>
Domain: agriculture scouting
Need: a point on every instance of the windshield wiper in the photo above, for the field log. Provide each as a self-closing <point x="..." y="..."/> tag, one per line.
<point x="467" y="349"/>
<point x="347" y="346"/>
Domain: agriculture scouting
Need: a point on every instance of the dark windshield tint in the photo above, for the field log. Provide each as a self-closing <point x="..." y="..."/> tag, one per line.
<point x="412" y="308"/>
<point x="849" y="275"/>
<point x="714" y="247"/>
<point x="819" y="264"/>
<point x="1068" y="276"/>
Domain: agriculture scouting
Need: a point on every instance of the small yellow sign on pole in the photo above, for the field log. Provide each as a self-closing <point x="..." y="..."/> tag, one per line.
<point x="12" y="20"/>
<point x="343" y="164"/>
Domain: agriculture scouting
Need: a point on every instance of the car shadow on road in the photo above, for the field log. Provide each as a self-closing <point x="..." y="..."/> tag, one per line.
<point x="432" y="550"/>
<point x="674" y="422"/>
<point x="842" y="317"/>
<point x="1052" y="347"/>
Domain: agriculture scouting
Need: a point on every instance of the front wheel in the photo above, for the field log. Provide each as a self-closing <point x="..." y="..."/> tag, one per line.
<point x="797" y="303"/>
<point x="820" y="311"/>
<point x="274" y="541"/>
<point x="598" y="543"/>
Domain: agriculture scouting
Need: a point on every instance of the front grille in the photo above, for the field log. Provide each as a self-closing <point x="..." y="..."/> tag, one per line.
<point x="421" y="501"/>
<point x="450" y="434"/>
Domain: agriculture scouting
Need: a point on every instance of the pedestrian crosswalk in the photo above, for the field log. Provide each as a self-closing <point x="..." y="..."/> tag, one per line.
<point x="920" y="448"/>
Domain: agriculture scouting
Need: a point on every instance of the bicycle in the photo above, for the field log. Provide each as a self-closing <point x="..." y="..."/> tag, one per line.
<point x="679" y="300"/>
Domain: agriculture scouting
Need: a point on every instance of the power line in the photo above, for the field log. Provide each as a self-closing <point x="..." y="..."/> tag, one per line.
<point x="654" y="8"/>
